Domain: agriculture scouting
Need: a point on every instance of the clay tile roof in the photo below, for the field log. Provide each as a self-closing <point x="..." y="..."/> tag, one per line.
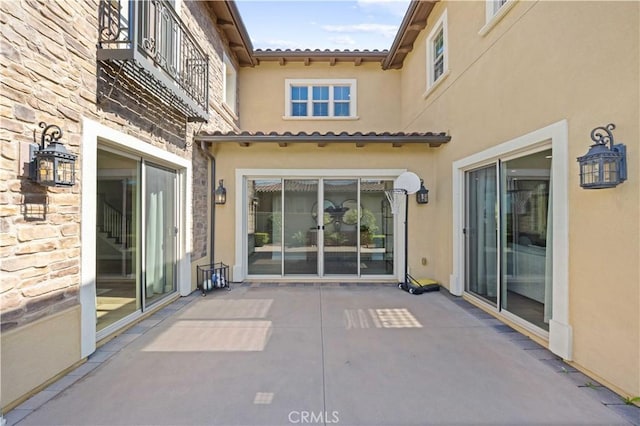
<point x="317" y="55"/>
<point x="246" y="138"/>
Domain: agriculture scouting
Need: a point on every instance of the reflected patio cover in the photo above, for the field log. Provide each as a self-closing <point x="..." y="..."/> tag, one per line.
<point x="268" y="185"/>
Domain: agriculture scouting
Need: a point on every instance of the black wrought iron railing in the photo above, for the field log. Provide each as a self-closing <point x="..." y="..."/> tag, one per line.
<point x="149" y="36"/>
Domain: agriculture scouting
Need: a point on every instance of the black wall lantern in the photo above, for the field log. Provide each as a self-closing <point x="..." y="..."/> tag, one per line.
<point x="422" y="196"/>
<point x="220" y="193"/>
<point x="602" y="166"/>
<point x="52" y="165"/>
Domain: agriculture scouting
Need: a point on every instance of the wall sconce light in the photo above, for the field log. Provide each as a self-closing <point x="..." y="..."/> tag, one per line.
<point x="53" y="165"/>
<point x="220" y="193"/>
<point x="422" y="196"/>
<point x="602" y="166"/>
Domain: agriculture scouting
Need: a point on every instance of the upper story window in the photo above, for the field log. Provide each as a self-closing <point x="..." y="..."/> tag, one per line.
<point x="493" y="6"/>
<point x="494" y="11"/>
<point x="320" y="99"/>
<point x="229" y="87"/>
<point x="437" y="52"/>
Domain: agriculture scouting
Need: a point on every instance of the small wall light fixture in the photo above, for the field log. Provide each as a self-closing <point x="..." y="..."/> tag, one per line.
<point x="220" y="193"/>
<point x="52" y="165"/>
<point x="422" y="196"/>
<point x="602" y="166"/>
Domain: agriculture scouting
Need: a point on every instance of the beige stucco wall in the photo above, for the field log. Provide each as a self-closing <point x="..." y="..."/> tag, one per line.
<point x="546" y="62"/>
<point x="38" y="352"/>
<point x="262" y="94"/>
<point x="341" y="156"/>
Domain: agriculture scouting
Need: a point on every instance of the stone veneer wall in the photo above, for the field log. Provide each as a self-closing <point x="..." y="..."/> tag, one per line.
<point x="49" y="73"/>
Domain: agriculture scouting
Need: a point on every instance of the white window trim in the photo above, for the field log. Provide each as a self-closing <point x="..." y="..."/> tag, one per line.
<point x="492" y="17"/>
<point x="441" y="24"/>
<point x="240" y="265"/>
<point x="231" y="107"/>
<point x="554" y="136"/>
<point x="353" y="104"/>
<point x="92" y="132"/>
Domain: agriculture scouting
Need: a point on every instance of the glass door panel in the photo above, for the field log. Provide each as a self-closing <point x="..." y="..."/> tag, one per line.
<point x="116" y="238"/>
<point x="300" y="226"/>
<point x="526" y="229"/>
<point x="341" y="229"/>
<point x="264" y="226"/>
<point x="161" y="230"/>
<point x="376" y="228"/>
<point x="481" y="233"/>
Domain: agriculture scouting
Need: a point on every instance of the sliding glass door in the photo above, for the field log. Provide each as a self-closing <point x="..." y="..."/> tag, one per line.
<point x="341" y="231"/>
<point x="136" y="236"/>
<point x="323" y="227"/>
<point x="161" y="230"/>
<point x="300" y="226"/>
<point x="481" y="232"/>
<point x="508" y="236"/>
<point x="117" y="241"/>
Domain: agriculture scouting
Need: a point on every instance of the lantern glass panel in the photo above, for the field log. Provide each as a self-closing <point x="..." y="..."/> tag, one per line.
<point x="590" y="171"/>
<point x="610" y="171"/>
<point x="65" y="172"/>
<point x="45" y="170"/>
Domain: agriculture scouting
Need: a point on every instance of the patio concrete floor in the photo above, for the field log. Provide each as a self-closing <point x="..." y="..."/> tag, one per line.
<point x="322" y="354"/>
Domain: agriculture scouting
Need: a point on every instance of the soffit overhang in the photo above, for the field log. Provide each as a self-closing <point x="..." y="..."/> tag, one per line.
<point x="415" y="20"/>
<point x="229" y="23"/>
<point x="308" y="56"/>
<point x="395" y="139"/>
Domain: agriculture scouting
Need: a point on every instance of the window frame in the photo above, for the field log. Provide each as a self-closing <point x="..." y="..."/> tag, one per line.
<point x="495" y="10"/>
<point x="331" y="103"/>
<point x="229" y="94"/>
<point x="441" y="26"/>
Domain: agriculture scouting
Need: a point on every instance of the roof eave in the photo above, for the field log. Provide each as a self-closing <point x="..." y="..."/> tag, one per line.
<point x="414" y="21"/>
<point x="432" y="139"/>
<point x="332" y="56"/>
<point x="230" y="24"/>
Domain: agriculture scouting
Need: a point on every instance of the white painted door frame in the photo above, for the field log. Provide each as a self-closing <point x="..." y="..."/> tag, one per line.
<point x="556" y="137"/>
<point x="93" y="135"/>
<point x="240" y="266"/>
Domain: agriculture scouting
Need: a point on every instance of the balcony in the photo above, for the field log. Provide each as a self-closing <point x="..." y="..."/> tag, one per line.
<point x="150" y="44"/>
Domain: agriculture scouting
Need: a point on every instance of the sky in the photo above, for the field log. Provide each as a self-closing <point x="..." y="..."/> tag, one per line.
<point x="314" y="24"/>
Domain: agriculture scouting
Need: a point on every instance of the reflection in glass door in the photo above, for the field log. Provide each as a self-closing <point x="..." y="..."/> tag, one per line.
<point x="341" y="229"/>
<point x="160" y="230"/>
<point x="300" y="226"/>
<point x="508" y="234"/>
<point x="376" y="228"/>
<point x="319" y="227"/>
<point x="117" y="266"/>
<point x="526" y="259"/>
<point x="481" y="238"/>
<point x="264" y="226"/>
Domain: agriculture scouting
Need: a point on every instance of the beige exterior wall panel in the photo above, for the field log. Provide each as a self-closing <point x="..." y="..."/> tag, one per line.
<point x="38" y="352"/>
<point x="545" y="62"/>
<point x="343" y="156"/>
<point x="262" y="97"/>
